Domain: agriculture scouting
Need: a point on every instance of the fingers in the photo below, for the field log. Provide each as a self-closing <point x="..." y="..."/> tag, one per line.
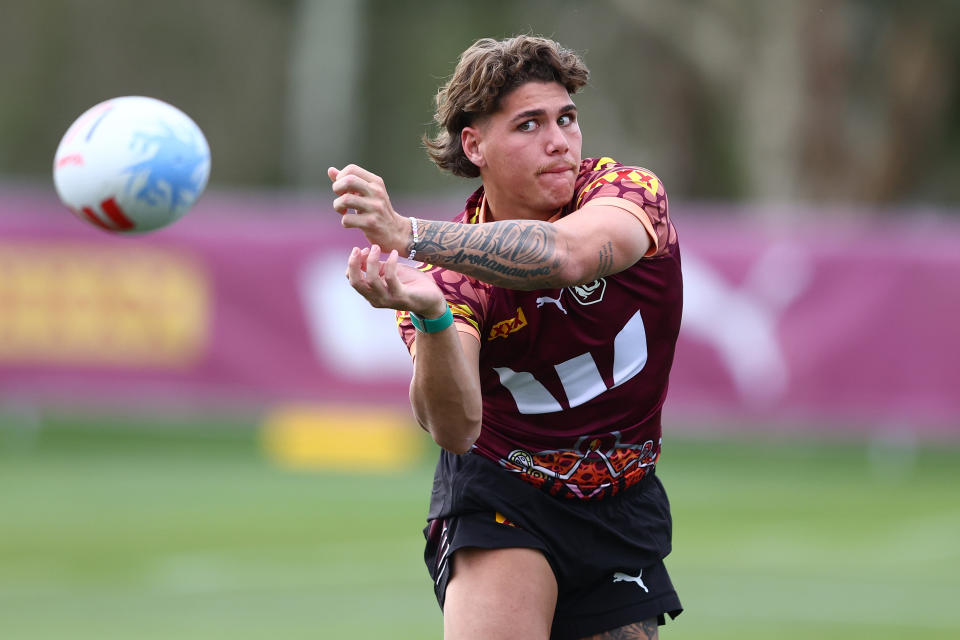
<point x="354" y="270"/>
<point x="356" y="192"/>
<point x="357" y="181"/>
<point x="371" y="278"/>
<point x="372" y="266"/>
<point x="354" y="170"/>
<point x="358" y="264"/>
<point x="364" y="193"/>
<point x="349" y="201"/>
<point x="348" y="183"/>
<point x="389" y="273"/>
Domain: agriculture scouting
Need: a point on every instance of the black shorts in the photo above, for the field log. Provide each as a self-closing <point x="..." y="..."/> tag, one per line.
<point x="607" y="555"/>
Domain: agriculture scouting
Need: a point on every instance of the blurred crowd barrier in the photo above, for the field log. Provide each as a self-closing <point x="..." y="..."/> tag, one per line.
<point x="843" y="324"/>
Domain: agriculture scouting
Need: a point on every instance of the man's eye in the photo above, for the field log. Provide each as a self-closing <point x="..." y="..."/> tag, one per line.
<point x="529" y="125"/>
<point x="565" y="119"/>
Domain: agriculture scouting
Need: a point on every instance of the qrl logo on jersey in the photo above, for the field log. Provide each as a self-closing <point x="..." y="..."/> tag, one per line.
<point x="590" y="293"/>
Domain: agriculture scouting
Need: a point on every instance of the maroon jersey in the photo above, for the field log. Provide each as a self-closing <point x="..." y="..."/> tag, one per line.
<point x="574" y="379"/>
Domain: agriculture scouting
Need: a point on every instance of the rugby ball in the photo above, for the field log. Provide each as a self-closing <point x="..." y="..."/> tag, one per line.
<point x="131" y="164"/>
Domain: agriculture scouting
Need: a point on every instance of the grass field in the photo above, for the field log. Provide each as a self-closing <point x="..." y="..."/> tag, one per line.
<point x="156" y="530"/>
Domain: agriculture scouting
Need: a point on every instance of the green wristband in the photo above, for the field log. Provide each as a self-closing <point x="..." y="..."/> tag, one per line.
<point x="435" y="325"/>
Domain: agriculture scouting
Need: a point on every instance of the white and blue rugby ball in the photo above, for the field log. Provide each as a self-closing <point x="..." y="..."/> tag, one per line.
<point x="131" y="164"/>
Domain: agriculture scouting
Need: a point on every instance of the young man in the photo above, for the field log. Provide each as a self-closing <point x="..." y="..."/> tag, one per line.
<point x="542" y="327"/>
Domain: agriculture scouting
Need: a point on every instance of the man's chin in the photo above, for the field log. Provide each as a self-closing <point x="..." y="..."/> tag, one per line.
<point x="559" y="198"/>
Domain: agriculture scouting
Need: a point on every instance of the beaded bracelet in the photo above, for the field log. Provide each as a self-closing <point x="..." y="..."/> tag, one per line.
<point x="416" y="238"/>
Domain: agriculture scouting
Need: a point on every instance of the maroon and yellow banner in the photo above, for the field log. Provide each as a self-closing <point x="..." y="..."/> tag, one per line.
<point x="831" y="321"/>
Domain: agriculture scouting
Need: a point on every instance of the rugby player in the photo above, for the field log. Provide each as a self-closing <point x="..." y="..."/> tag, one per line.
<point x="542" y="325"/>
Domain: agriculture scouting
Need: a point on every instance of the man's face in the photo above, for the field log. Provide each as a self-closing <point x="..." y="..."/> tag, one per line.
<point x="528" y="151"/>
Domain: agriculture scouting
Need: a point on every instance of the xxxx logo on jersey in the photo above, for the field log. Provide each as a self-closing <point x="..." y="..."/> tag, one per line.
<point x="505" y="327"/>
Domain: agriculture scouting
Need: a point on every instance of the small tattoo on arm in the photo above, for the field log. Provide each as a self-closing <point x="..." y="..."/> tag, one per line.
<point x="646" y="630"/>
<point x="605" y="260"/>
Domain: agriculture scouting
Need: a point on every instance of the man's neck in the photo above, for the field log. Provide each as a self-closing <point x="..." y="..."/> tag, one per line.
<point x="490" y="212"/>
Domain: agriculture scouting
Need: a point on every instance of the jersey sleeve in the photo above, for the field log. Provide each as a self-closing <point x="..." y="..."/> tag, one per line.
<point x="636" y="190"/>
<point x="467" y="298"/>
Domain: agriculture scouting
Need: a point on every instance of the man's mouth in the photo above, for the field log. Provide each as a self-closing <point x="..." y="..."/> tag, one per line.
<point x="556" y="168"/>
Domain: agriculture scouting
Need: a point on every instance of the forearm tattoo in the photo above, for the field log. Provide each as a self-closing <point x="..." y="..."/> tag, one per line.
<point x="517" y="254"/>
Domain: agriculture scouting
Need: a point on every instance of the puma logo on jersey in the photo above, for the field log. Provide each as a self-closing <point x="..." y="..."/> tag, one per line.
<point x="545" y="299"/>
<point x="619" y="576"/>
<point x="590" y="293"/>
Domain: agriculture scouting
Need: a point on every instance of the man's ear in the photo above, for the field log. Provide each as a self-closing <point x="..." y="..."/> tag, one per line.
<point x="470" y="142"/>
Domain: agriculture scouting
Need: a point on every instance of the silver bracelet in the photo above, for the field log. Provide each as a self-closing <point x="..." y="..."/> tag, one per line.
<point x="416" y="238"/>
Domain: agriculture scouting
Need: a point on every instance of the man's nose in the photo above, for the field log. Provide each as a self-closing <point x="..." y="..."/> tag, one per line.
<point x="556" y="141"/>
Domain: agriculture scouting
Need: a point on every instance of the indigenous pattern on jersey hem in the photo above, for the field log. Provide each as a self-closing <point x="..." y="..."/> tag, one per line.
<point x="574" y="379"/>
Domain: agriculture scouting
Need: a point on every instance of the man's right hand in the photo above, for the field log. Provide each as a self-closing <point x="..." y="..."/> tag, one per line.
<point x="366" y="194"/>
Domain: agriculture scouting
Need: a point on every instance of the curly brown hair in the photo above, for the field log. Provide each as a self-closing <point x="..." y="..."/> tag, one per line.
<point x="486" y="72"/>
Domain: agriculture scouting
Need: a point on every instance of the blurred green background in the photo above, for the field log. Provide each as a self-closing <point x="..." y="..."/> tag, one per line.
<point x="117" y="527"/>
<point x="850" y="101"/>
<point x="176" y="525"/>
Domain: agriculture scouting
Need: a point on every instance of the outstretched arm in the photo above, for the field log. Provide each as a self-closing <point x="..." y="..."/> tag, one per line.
<point x="533" y="254"/>
<point x="519" y="254"/>
<point x="445" y="389"/>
